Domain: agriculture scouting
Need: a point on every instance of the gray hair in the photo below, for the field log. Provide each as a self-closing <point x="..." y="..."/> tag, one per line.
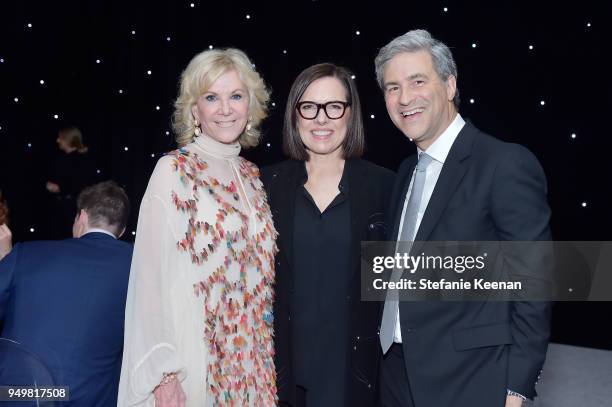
<point x="414" y="41"/>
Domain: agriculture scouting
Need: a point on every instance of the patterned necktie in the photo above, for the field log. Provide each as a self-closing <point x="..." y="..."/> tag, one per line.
<point x="408" y="232"/>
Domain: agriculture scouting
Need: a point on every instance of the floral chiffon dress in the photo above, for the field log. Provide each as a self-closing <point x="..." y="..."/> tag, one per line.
<point x="201" y="284"/>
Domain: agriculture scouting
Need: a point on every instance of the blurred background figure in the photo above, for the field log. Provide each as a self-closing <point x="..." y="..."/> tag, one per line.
<point x="5" y="233"/>
<point x="70" y="172"/>
<point x="4" y="212"/>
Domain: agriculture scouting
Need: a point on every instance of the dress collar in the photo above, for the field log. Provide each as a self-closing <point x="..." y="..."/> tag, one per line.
<point x="216" y="148"/>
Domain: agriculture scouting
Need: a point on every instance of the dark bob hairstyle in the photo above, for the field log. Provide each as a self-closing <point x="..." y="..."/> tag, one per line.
<point x="354" y="142"/>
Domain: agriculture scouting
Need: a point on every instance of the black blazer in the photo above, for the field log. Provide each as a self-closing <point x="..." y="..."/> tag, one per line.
<point x="469" y="353"/>
<point x="370" y="187"/>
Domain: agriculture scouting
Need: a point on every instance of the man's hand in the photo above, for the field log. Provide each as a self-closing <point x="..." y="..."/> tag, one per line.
<point x="53" y="187"/>
<point x="170" y="394"/>
<point x="6" y="240"/>
<point x="513" y="401"/>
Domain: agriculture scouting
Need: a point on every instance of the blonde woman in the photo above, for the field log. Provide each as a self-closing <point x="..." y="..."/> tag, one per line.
<point x="198" y="323"/>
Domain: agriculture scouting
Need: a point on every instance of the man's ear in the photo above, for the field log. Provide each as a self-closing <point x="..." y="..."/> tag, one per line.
<point x="121" y="234"/>
<point x="81" y="223"/>
<point x="451" y="87"/>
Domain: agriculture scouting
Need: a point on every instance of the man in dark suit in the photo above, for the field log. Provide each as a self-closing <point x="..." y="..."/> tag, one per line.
<point x="467" y="186"/>
<point x="63" y="303"/>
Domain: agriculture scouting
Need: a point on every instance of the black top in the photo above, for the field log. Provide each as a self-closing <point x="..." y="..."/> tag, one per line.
<point x="322" y="249"/>
<point x="370" y="187"/>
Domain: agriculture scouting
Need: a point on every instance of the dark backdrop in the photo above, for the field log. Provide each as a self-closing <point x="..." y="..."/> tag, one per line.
<point x="94" y="58"/>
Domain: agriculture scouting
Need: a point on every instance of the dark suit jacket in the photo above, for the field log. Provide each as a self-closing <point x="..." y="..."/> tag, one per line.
<point x="469" y="353"/>
<point x="64" y="302"/>
<point x="369" y="190"/>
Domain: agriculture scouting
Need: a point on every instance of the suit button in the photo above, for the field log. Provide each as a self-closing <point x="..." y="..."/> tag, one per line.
<point x="371" y="226"/>
<point x="354" y="347"/>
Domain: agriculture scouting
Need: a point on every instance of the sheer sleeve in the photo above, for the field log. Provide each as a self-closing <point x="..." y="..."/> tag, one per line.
<point x="150" y="345"/>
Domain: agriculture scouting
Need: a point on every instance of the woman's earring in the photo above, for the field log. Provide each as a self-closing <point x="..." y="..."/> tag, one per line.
<point x="196" y="129"/>
<point x="249" y="126"/>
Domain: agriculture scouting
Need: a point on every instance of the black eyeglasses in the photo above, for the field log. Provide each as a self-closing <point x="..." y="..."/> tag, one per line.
<point x="333" y="110"/>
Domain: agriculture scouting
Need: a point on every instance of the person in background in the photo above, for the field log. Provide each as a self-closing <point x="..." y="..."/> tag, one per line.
<point x="325" y="200"/>
<point x="70" y="172"/>
<point x="199" y="310"/>
<point x="6" y="237"/>
<point x="63" y="301"/>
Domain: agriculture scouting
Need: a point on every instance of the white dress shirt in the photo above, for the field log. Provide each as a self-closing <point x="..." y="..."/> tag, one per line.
<point x="438" y="151"/>
<point x="98" y="230"/>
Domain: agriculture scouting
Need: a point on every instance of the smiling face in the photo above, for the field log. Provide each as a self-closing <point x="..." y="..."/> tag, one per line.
<point x="223" y="109"/>
<point x="419" y="102"/>
<point x="322" y="135"/>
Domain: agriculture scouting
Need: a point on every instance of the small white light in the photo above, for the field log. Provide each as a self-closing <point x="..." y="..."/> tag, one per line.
<point x="273" y="104"/>
<point x="570" y="289"/>
<point x="149" y="72"/>
<point x="472" y="101"/>
<point x="133" y="233"/>
<point x="98" y="61"/>
<point x="473" y="45"/>
<point x="121" y="91"/>
<point x="133" y="32"/>
<point x="584" y="204"/>
<point x="372" y="116"/>
<point x="210" y="47"/>
<point x="167" y="133"/>
<point x="98" y="171"/>
<point x="156" y="107"/>
<point x="445" y="9"/>
<point x="573" y="135"/>
<point x="357" y="32"/>
<point x="248" y="16"/>
<point x="29" y="145"/>
<point x="125" y="148"/>
<point x="192" y="5"/>
<point x="29" y="25"/>
<point x="55" y="116"/>
<point x="1" y="60"/>
<point x="168" y="39"/>
<point x="267" y="144"/>
<point x="531" y="47"/>
<point x="352" y="76"/>
<point x="16" y="100"/>
<point x="41" y="82"/>
<point x="588" y="24"/>
<point x="152" y="155"/>
<point x="284" y="51"/>
<point x="542" y="103"/>
<point x="31" y="230"/>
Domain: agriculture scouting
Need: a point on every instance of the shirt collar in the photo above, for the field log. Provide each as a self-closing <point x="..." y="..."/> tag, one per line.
<point x="343" y="185"/>
<point x="98" y="230"/>
<point x="440" y="148"/>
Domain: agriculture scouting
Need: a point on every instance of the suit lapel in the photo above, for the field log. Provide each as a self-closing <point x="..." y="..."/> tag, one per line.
<point x="357" y="206"/>
<point x="454" y="169"/>
<point x="285" y="187"/>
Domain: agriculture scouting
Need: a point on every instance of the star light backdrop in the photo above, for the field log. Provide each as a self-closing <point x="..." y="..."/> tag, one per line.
<point x="528" y="73"/>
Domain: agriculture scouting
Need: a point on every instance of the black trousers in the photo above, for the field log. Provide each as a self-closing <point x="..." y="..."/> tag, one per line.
<point x="394" y="383"/>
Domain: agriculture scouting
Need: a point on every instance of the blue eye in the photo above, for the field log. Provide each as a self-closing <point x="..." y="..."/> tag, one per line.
<point x="210" y="98"/>
<point x="236" y="97"/>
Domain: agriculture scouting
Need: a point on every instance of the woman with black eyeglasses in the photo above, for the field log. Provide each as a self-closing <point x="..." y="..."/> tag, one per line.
<point x="325" y="200"/>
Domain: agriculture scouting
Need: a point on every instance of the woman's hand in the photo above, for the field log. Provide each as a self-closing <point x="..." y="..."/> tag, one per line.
<point x="53" y="187"/>
<point x="170" y="394"/>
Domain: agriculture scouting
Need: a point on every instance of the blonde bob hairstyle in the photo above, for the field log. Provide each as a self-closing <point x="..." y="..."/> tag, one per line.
<point x="203" y="70"/>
